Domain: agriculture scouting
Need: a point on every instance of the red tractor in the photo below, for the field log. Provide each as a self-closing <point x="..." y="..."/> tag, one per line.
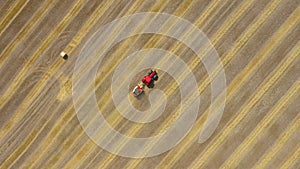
<point x="148" y="80"/>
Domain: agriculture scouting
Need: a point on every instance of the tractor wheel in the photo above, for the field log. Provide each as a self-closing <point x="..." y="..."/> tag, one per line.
<point x="149" y="72"/>
<point x="155" y="77"/>
<point x="151" y="85"/>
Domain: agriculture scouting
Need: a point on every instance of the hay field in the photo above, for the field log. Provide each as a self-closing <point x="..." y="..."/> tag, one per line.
<point x="258" y="45"/>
